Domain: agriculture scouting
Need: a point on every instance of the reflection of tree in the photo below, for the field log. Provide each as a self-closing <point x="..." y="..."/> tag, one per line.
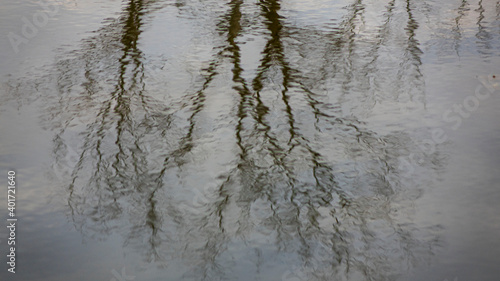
<point x="114" y="118"/>
<point x="457" y="29"/>
<point x="359" y="64"/>
<point x="474" y="24"/>
<point x="483" y="36"/>
<point x="301" y="178"/>
<point x="300" y="195"/>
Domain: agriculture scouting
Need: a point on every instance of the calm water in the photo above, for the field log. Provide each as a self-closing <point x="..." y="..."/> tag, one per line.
<point x="265" y="140"/>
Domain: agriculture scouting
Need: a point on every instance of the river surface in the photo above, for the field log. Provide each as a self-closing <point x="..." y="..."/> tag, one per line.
<point x="289" y="140"/>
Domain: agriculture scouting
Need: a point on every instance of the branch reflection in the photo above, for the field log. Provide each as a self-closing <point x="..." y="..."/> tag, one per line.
<point x="279" y="157"/>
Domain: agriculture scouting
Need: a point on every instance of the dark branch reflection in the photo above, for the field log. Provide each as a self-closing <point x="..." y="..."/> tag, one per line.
<point x="474" y="23"/>
<point x="271" y="158"/>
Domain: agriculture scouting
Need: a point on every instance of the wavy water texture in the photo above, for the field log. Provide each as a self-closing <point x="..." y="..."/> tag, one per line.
<point x="221" y="156"/>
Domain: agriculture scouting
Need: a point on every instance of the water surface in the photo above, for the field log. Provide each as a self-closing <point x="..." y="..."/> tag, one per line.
<point x="253" y="140"/>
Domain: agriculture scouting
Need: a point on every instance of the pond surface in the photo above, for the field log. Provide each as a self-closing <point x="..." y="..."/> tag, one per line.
<point x="287" y="140"/>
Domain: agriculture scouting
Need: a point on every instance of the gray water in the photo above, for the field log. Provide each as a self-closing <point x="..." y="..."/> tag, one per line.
<point x="251" y="140"/>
